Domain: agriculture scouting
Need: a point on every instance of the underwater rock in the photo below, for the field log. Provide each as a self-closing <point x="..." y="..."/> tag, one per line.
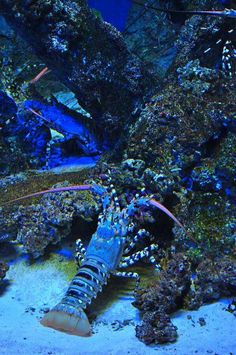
<point x="8" y="108"/>
<point x="3" y="269"/>
<point x="122" y="177"/>
<point x="211" y="220"/>
<point x="213" y="280"/>
<point x="151" y="36"/>
<point x="39" y="225"/>
<point x="156" y="328"/>
<point x="10" y="145"/>
<point x="179" y="287"/>
<point x="177" y="129"/>
<point x="207" y="38"/>
<point x="162" y="298"/>
<point x="53" y="102"/>
<point x="12" y="179"/>
<point x="87" y="54"/>
<point x="217" y="174"/>
<point x="192" y="77"/>
<point x="171" y="285"/>
<point x="24" y="139"/>
<point x="137" y="165"/>
<point x="5" y="29"/>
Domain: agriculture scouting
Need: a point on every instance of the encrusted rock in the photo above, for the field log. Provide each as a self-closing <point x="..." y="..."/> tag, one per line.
<point x="196" y="79"/>
<point x="213" y="281"/>
<point x="161" y="299"/>
<point x="137" y="165"/>
<point x="48" y="222"/>
<point x="156" y="328"/>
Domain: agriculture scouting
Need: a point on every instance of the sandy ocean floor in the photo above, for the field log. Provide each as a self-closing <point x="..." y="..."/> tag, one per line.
<point x="28" y="289"/>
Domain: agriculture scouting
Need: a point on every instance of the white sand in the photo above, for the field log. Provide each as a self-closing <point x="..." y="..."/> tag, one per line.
<point x="21" y="332"/>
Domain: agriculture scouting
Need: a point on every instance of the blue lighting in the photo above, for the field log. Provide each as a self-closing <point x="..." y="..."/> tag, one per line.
<point x="113" y="11"/>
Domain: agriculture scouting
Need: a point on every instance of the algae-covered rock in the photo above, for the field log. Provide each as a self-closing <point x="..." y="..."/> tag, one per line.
<point x="212" y="222"/>
<point x="214" y="280"/>
<point x="192" y="77"/>
<point x="48" y="222"/>
<point x="87" y="54"/>
<point x="172" y="129"/>
<point x="162" y="298"/>
<point x="175" y="288"/>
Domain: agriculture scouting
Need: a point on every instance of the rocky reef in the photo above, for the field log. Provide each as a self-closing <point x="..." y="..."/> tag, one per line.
<point x="177" y="288"/>
<point x="87" y="55"/>
<point x="162" y="299"/>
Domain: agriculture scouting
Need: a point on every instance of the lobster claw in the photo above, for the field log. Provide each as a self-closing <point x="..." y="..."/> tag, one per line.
<point x="67" y="319"/>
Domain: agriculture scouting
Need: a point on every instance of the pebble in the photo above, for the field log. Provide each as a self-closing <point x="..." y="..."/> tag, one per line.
<point x="201" y="321"/>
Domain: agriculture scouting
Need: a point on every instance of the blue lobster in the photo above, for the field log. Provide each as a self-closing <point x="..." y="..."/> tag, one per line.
<point x="113" y="239"/>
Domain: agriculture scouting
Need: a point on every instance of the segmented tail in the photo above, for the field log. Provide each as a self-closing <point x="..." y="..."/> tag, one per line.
<point x="68" y="316"/>
<point x="68" y="319"/>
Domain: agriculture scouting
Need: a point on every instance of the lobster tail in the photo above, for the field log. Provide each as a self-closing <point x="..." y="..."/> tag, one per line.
<point x="68" y="316"/>
<point x="68" y="319"/>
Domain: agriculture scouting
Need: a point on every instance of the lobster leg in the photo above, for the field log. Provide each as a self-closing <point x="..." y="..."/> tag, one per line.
<point x="133" y="275"/>
<point x="80" y="252"/>
<point x="142" y="233"/>
<point x="132" y="259"/>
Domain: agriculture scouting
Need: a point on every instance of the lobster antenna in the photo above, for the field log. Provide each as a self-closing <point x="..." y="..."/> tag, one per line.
<point x="224" y="13"/>
<point x="96" y="190"/>
<point x="58" y="189"/>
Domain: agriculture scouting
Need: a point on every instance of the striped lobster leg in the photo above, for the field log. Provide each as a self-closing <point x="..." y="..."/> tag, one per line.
<point x="80" y="252"/>
<point x="132" y="259"/>
<point x="133" y="275"/>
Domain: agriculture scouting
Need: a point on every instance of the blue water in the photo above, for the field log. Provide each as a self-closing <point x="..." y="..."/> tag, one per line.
<point x="113" y="11"/>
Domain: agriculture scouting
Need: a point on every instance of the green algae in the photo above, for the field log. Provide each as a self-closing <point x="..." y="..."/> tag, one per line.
<point x="214" y="222"/>
<point x="67" y="266"/>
